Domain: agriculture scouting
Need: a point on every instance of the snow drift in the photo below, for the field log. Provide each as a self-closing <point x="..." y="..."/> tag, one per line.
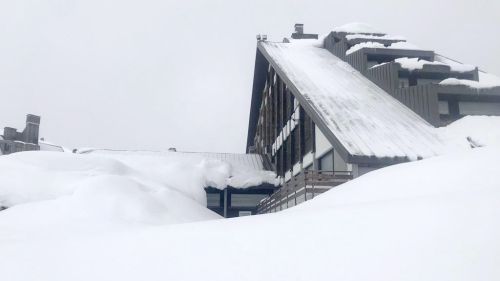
<point x="435" y="219"/>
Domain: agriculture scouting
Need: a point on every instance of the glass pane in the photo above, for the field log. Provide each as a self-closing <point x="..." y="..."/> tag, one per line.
<point x="246" y="200"/>
<point x="213" y="199"/>
<point x="326" y="162"/>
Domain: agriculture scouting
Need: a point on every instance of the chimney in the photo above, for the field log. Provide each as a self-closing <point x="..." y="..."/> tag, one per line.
<point x="299" y="33"/>
<point x="299" y="28"/>
<point x="32" y="129"/>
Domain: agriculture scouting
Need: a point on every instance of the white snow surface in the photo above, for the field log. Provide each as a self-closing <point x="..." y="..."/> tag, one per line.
<point x="480" y="130"/>
<point x="469" y="83"/>
<point x="435" y="219"/>
<point x="220" y="169"/>
<point x="363" y="117"/>
<point x="404" y="46"/>
<point x="62" y="187"/>
<point x="413" y="64"/>
<point x="369" y="36"/>
<point x="364" y="45"/>
<point x="357" y="27"/>
<point x="369" y="44"/>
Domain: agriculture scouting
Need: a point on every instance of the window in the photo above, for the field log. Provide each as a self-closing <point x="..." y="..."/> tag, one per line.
<point x="308" y="133"/>
<point x="246" y="200"/>
<point x="326" y="162"/>
<point x="444" y="107"/>
<point x="479" y="108"/>
<point x="213" y="199"/>
<point x="295" y="146"/>
<point x="286" y="156"/>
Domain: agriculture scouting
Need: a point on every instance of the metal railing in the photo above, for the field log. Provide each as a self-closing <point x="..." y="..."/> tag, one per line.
<point x="302" y="187"/>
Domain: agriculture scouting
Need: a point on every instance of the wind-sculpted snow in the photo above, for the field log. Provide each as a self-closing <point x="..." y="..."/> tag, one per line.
<point x="435" y="219"/>
<point x="64" y="187"/>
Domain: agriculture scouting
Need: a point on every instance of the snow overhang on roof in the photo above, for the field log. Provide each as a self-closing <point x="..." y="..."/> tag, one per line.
<point x="357" y="28"/>
<point x="361" y="120"/>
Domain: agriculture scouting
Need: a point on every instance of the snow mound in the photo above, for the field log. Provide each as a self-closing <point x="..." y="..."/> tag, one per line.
<point x="435" y="219"/>
<point x="471" y="131"/>
<point x="68" y="187"/>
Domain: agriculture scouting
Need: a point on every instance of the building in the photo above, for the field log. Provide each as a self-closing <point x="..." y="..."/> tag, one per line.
<point x="239" y="200"/>
<point x="14" y="141"/>
<point x="327" y="110"/>
<point x="249" y="177"/>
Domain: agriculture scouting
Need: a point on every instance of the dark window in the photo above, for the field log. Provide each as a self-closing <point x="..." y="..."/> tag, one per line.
<point x="286" y="158"/>
<point x="308" y="133"/>
<point x="213" y="199"/>
<point x="326" y="162"/>
<point x="246" y="200"/>
<point x="295" y="146"/>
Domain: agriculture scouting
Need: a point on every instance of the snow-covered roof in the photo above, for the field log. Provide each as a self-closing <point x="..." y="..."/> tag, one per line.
<point x="357" y="27"/>
<point x="374" y="37"/>
<point x="469" y="83"/>
<point x="377" y="45"/>
<point x="241" y="170"/>
<point x="455" y="65"/>
<point x="415" y="63"/>
<point x="364" y="119"/>
<point x="47" y="146"/>
<point x="251" y="161"/>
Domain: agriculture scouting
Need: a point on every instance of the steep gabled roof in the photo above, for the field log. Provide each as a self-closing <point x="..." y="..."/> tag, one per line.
<point x="363" y="122"/>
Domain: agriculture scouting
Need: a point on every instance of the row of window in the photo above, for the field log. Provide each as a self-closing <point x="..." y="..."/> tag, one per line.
<point x="468" y="108"/>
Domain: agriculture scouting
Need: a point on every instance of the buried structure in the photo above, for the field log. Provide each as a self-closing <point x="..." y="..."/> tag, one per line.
<point x="242" y="196"/>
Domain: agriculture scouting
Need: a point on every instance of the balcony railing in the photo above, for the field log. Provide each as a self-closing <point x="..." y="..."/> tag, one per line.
<point x="302" y="187"/>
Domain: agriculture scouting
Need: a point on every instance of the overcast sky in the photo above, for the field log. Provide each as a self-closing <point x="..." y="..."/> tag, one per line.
<point x="154" y="74"/>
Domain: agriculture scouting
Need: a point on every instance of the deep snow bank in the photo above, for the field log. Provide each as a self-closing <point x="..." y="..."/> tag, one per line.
<point x="435" y="219"/>
<point x="473" y="130"/>
<point x="56" y="187"/>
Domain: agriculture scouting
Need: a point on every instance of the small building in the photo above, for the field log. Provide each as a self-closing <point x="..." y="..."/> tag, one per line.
<point x="328" y="110"/>
<point x="13" y="141"/>
<point x="240" y="198"/>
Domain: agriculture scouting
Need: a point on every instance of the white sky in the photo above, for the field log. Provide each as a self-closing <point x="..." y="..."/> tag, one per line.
<point x="154" y="74"/>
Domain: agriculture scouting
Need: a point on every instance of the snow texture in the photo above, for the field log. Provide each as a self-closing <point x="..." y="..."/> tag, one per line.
<point x="396" y="45"/>
<point x="436" y="219"/>
<point x="357" y="27"/>
<point x="368" y="37"/>
<point x="413" y="64"/>
<point x="403" y="46"/>
<point x="364" y="45"/>
<point x="363" y="117"/>
<point x="472" y="131"/>
<point x="231" y="169"/>
<point x="469" y="83"/>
